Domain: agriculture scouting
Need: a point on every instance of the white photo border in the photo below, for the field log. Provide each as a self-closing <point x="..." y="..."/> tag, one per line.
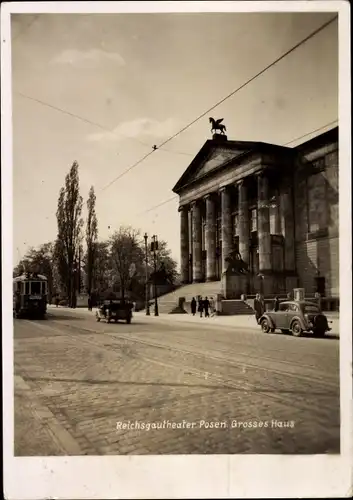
<point x="181" y="476"/>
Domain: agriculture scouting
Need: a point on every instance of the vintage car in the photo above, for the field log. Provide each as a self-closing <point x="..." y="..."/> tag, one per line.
<point x="296" y="317"/>
<point x="113" y="310"/>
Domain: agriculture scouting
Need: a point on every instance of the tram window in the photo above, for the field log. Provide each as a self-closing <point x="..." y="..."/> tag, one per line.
<point x="27" y="288"/>
<point x="44" y="288"/>
<point x="35" y="287"/>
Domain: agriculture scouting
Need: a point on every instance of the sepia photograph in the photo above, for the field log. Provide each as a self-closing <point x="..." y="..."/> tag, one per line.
<point x="176" y="232"/>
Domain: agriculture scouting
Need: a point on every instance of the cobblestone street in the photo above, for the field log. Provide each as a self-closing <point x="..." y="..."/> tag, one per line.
<point x="169" y="387"/>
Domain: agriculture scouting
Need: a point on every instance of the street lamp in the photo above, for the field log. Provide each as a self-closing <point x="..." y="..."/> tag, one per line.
<point x="147" y="301"/>
<point x="154" y="249"/>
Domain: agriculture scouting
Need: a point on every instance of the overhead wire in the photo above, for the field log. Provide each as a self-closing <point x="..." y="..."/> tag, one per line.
<point x="25" y="28"/>
<point x="91" y="122"/>
<point x="290" y="142"/>
<point x="221" y="101"/>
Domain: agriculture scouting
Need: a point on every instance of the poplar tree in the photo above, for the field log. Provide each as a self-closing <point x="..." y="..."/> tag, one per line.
<point x="91" y="239"/>
<point x="68" y="241"/>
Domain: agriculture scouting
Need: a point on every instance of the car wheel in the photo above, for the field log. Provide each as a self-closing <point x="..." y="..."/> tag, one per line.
<point x="296" y="328"/>
<point x="265" y="326"/>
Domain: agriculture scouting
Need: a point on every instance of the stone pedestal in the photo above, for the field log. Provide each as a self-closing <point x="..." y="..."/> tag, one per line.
<point x="210" y="238"/>
<point x="243" y="215"/>
<point x="234" y="286"/>
<point x="196" y="243"/>
<point x="226" y="221"/>
<point x="184" y="244"/>
<point x="299" y="293"/>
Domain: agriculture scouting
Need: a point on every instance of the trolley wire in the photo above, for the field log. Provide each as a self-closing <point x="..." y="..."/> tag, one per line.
<point x="155" y="148"/>
<point x="91" y="122"/>
<point x="290" y="142"/>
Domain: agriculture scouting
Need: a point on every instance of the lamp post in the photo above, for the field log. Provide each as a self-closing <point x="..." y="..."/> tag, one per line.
<point x="154" y="248"/>
<point x="147" y="301"/>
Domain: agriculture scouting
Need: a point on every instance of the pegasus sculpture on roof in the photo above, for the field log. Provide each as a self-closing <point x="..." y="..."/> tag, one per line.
<point x="217" y="125"/>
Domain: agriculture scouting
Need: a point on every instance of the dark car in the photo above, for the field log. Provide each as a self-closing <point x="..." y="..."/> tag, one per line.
<point x="114" y="310"/>
<point x="296" y="317"/>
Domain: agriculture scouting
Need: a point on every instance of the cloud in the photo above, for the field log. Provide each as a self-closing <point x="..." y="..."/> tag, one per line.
<point x="88" y="58"/>
<point x="141" y="127"/>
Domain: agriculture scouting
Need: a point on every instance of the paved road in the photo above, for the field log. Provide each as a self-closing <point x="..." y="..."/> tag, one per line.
<point x="161" y="386"/>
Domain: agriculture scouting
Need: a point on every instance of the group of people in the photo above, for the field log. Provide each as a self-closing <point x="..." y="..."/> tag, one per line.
<point x="203" y="306"/>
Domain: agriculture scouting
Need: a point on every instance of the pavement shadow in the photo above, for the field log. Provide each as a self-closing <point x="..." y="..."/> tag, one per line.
<point x="325" y="393"/>
<point x="66" y="317"/>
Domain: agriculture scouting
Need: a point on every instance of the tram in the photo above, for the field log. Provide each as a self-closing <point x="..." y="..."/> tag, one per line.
<point x="30" y="295"/>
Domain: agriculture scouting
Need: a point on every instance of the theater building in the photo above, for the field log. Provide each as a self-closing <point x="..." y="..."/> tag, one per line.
<point x="276" y="206"/>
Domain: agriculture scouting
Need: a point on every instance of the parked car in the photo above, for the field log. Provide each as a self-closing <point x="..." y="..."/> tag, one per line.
<point x="296" y="317"/>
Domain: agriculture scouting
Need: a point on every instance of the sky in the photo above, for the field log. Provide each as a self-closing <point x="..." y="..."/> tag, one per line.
<point x="139" y="78"/>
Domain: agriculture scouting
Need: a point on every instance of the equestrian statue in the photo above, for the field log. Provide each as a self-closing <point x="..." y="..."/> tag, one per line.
<point x="217" y="125"/>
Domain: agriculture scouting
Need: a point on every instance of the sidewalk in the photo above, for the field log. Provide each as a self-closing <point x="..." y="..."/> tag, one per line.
<point x="240" y="321"/>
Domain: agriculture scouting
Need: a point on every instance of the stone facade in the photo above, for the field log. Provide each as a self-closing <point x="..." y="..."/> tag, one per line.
<point x="276" y="206"/>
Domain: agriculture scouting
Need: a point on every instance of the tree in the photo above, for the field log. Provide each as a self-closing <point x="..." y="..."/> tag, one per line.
<point x="70" y="224"/>
<point x="127" y="257"/>
<point x="91" y="239"/>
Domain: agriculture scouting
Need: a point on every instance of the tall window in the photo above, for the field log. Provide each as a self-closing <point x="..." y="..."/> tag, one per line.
<point x="253" y="220"/>
<point x="317" y="206"/>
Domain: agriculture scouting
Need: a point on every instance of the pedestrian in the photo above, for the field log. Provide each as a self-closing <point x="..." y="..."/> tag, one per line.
<point x="258" y="307"/>
<point x="212" y="307"/>
<point x="206" y="306"/>
<point x="89" y="303"/>
<point x="276" y="304"/>
<point x="57" y="301"/>
<point x="200" y="307"/>
<point x="193" y="306"/>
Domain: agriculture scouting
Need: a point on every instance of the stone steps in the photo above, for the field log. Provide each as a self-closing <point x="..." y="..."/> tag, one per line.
<point x="170" y="300"/>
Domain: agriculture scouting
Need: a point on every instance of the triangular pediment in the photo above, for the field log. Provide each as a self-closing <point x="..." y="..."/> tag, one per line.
<point x="216" y="158"/>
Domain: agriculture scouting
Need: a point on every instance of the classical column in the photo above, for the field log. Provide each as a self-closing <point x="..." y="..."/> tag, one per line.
<point x="196" y="242"/>
<point x="243" y="218"/>
<point x="287" y="224"/>
<point x="210" y="238"/>
<point x="263" y="224"/>
<point x="226" y="208"/>
<point x="184" y="243"/>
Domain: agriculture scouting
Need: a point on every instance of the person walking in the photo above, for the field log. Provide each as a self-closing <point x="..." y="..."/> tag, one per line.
<point x="206" y="306"/>
<point x="57" y="300"/>
<point x="89" y="303"/>
<point x="276" y="304"/>
<point x="200" y="307"/>
<point x="212" y="307"/>
<point x="258" y="306"/>
<point x="193" y="306"/>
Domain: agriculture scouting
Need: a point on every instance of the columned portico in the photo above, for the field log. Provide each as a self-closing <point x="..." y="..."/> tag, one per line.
<point x="196" y="242"/>
<point x="210" y="237"/>
<point x="226" y="218"/>
<point x="184" y="243"/>
<point x="243" y="217"/>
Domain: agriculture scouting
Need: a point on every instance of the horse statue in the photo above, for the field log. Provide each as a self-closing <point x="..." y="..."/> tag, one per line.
<point x="217" y="125"/>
